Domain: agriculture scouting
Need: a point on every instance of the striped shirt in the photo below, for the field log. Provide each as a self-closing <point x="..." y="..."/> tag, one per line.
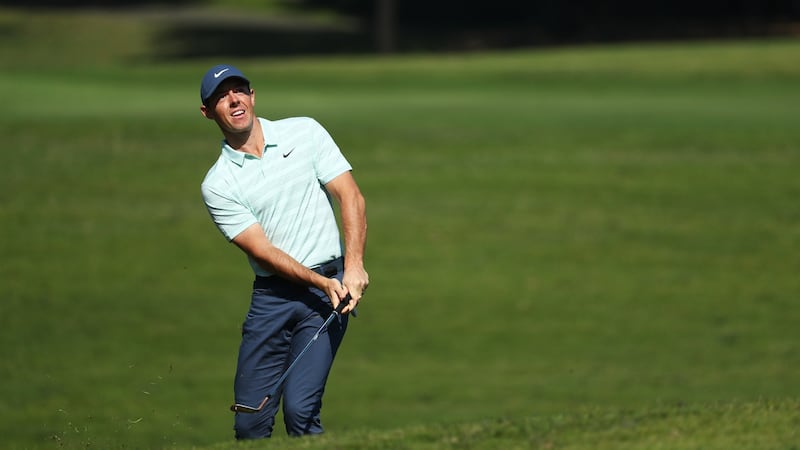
<point x="283" y="191"/>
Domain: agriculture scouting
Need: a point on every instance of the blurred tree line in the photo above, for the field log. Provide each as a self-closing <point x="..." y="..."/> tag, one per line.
<point x="513" y="22"/>
<point x="425" y="25"/>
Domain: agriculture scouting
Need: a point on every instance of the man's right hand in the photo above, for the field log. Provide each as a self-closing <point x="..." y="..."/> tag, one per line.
<point x="336" y="292"/>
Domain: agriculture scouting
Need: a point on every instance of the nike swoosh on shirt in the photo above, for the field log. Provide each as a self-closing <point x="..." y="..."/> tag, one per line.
<point x="217" y="74"/>
<point x="286" y="155"/>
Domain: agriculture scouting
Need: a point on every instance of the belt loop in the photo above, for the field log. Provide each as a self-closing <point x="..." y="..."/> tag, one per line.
<point x="331" y="267"/>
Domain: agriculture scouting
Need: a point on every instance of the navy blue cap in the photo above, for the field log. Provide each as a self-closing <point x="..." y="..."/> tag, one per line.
<point x="215" y="76"/>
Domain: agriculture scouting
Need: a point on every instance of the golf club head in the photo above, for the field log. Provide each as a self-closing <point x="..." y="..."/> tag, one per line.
<point x="238" y="407"/>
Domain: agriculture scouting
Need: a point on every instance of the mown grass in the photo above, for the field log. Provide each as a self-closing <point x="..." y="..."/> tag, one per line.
<point x="592" y="234"/>
<point x="759" y="424"/>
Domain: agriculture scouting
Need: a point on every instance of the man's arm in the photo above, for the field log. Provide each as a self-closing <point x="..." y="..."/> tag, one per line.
<point x="254" y="242"/>
<point x="354" y="225"/>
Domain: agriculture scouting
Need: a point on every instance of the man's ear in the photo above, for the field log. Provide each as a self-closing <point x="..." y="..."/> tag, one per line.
<point x="206" y="112"/>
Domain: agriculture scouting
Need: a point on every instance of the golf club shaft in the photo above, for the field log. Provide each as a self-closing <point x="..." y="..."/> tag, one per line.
<point x="336" y="313"/>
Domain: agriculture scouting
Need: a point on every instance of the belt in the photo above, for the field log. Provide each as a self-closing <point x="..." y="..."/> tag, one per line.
<point x="328" y="269"/>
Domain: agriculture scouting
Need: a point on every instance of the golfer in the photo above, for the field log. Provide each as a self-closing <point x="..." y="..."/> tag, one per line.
<point x="270" y="192"/>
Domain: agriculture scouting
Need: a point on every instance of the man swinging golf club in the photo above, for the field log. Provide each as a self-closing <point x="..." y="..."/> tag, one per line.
<point x="270" y="193"/>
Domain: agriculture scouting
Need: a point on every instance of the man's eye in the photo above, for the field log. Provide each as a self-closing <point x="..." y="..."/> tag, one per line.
<point x="242" y="90"/>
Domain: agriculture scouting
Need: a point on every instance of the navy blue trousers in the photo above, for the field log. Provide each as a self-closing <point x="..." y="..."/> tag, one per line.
<point x="282" y="319"/>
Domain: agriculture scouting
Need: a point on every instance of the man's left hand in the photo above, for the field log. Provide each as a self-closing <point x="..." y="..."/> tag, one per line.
<point x="356" y="281"/>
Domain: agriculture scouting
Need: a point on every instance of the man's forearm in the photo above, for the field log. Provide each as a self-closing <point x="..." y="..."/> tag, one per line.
<point x="283" y="265"/>
<point x="354" y="227"/>
<point x="272" y="259"/>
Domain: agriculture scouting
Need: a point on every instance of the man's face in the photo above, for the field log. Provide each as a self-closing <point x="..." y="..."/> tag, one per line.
<point x="231" y="106"/>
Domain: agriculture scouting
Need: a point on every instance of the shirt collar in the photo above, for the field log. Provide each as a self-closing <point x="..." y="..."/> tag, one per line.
<point x="238" y="157"/>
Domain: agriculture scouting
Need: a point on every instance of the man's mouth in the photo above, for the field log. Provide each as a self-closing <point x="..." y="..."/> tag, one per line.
<point x="238" y="113"/>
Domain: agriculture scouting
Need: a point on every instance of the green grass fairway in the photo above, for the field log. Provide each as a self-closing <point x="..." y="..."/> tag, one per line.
<point x="764" y="425"/>
<point x="574" y="248"/>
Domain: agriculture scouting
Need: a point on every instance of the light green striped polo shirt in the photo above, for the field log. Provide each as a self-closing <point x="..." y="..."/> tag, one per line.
<point x="282" y="190"/>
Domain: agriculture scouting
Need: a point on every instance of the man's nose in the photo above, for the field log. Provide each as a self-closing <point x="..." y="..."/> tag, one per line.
<point x="230" y="96"/>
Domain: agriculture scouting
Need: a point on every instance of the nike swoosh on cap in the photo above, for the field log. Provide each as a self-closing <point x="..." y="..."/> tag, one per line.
<point x="217" y="74"/>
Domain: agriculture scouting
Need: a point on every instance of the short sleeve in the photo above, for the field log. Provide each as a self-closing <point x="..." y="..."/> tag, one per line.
<point x="329" y="162"/>
<point x="230" y="216"/>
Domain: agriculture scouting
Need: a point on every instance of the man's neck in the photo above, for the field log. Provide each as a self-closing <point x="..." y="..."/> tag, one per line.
<point x="251" y="142"/>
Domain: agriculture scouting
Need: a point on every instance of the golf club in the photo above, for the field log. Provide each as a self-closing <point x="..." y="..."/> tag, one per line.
<point x="238" y="407"/>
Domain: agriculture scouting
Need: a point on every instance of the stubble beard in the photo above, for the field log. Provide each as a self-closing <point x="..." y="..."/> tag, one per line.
<point x="238" y="134"/>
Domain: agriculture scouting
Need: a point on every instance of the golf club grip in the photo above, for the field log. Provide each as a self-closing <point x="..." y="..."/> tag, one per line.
<point x="343" y="304"/>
